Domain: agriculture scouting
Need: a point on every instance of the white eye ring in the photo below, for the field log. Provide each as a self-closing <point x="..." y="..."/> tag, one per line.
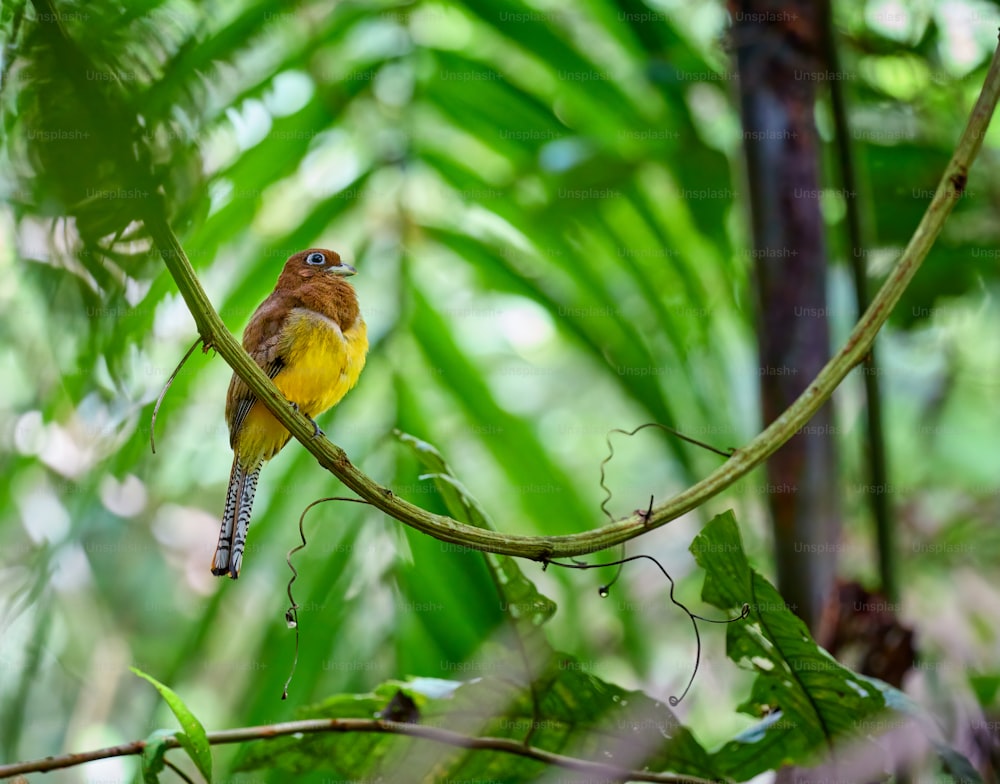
<point x="316" y="259"/>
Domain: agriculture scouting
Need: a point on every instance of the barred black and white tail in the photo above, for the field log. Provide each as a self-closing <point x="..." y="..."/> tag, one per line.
<point x="236" y="518"/>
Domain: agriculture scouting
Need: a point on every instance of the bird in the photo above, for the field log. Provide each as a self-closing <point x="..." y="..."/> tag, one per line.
<point x="310" y="338"/>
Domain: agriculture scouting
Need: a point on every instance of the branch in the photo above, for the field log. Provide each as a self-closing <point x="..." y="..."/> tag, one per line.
<point x="314" y="726"/>
<point x="543" y="548"/>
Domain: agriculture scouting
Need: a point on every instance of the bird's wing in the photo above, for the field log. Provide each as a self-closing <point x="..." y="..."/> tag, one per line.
<point x="262" y="341"/>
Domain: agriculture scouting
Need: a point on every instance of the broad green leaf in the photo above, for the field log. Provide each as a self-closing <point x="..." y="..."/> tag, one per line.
<point x="528" y="652"/>
<point x="580" y="715"/>
<point x="462" y="590"/>
<point x="577" y="714"/>
<point x="521" y="600"/>
<point x="193" y="738"/>
<point x="808" y="701"/>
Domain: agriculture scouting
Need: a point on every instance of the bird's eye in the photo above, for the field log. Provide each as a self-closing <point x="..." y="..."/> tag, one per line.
<point x="316" y="259"/>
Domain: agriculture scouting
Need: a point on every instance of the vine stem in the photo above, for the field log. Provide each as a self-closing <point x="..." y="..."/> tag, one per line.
<point x="314" y="726"/>
<point x="543" y="548"/>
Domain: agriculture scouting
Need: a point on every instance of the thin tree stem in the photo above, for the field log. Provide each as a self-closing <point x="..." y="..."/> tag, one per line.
<point x="875" y="453"/>
<point x="744" y="460"/>
<point x="315" y="726"/>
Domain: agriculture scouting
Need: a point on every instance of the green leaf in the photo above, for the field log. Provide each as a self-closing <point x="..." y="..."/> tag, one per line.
<point x="521" y="599"/>
<point x="956" y="765"/>
<point x="152" y="755"/>
<point x="806" y="698"/>
<point x="526" y="651"/>
<point x="351" y="755"/>
<point x="576" y="714"/>
<point x="985" y="687"/>
<point x="193" y="739"/>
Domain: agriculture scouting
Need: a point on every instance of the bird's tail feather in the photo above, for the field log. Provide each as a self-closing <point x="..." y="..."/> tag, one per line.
<point x="236" y="518"/>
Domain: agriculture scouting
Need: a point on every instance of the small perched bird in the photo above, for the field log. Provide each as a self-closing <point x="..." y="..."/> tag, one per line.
<point x="308" y="336"/>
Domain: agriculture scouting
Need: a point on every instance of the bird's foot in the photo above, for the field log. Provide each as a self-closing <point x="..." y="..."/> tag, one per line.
<point x="317" y="432"/>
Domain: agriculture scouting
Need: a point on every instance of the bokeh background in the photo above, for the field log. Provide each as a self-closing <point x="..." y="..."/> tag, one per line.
<point x="546" y="204"/>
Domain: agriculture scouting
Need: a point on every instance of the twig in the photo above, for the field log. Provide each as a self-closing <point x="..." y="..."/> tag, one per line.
<point x="178" y="771"/>
<point x="314" y="726"/>
<point x="163" y="394"/>
<point x="878" y="472"/>
<point x="543" y="548"/>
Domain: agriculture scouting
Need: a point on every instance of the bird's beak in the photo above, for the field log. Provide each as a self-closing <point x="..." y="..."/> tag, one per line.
<point x="343" y="271"/>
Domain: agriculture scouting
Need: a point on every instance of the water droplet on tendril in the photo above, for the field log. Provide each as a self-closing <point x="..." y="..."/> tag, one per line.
<point x="603" y="592"/>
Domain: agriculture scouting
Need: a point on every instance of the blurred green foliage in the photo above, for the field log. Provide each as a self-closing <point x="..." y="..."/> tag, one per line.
<point x="545" y="207"/>
<point x="530" y="693"/>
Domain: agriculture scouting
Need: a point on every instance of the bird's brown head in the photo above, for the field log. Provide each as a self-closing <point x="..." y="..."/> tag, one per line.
<point x="315" y="262"/>
<point x="317" y="279"/>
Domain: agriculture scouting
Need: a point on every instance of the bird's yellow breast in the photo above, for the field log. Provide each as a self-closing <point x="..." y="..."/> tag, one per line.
<point x="321" y="363"/>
